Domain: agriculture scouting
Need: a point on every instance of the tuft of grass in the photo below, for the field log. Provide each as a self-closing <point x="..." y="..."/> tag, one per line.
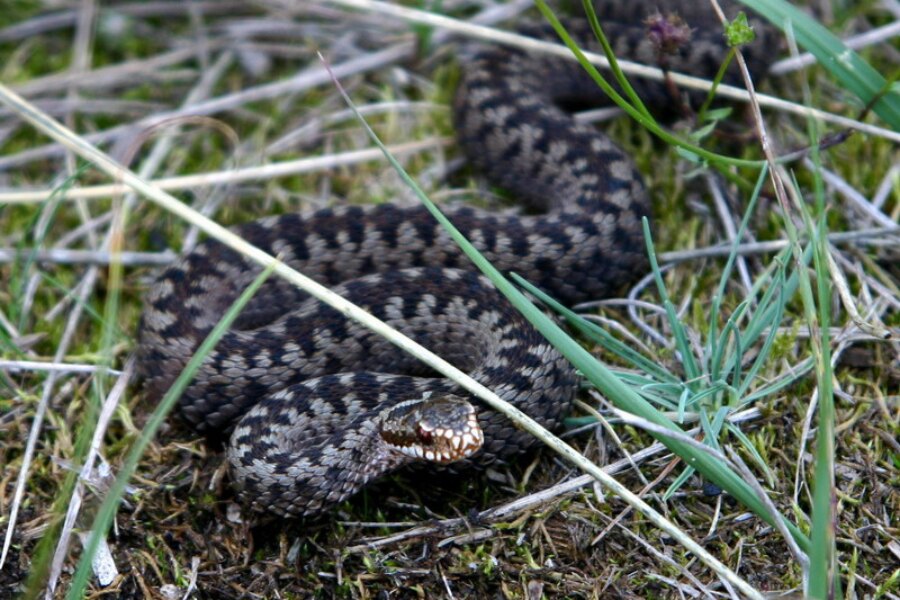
<point x="599" y="376"/>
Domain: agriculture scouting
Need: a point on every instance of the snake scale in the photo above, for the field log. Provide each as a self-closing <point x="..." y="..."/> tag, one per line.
<point x="315" y="405"/>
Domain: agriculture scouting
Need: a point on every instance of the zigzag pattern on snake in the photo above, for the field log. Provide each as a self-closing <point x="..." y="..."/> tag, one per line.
<point x="301" y="390"/>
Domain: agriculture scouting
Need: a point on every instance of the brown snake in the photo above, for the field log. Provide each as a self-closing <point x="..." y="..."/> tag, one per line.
<point x="315" y="405"/>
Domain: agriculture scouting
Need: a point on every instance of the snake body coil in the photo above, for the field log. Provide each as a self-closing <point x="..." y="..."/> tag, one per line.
<point x="305" y="393"/>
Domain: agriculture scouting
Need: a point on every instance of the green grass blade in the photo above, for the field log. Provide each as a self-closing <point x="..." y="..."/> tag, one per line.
<point x="696" y="400"/>
<point x="691" y="370"/>
<point x="751" y="449"/>
<point x="718" y="366"/>
<point x="773" y="323"/>
<point x="623" y="82"/>
<point x="709" y="433"/>
<point x="795" y="374"/>
<point x="679" y="481"/>
<point x="823" y="576"/>
<point x="824" y="580"/>
<point x="717" y="424"/>
<point x="597" y="334"/>
<point x="712" y="348"/>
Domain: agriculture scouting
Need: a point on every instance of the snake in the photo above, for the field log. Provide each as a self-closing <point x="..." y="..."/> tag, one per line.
<point x="313" y="406"/>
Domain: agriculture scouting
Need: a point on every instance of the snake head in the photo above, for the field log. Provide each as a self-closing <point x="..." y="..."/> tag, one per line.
<point x="440" y="430"/>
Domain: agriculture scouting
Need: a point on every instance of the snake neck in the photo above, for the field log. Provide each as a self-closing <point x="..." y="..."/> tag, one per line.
<point x="291" y="473"/>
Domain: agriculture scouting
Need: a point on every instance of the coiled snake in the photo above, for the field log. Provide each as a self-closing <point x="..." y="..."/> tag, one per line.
<point x="316" y="406"/>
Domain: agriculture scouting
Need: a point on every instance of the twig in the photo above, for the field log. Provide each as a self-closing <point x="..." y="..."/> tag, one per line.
<point x="886" y="186"/>
<point x="847" y="191"/>
<point x="259" y="173"/>
<point x="57" y="367"/>
<point x="888" y="235"/>
<point x="840" y="284"/>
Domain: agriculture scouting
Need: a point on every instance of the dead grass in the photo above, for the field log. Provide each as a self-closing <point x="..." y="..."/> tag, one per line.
<point x="249" y="68"/>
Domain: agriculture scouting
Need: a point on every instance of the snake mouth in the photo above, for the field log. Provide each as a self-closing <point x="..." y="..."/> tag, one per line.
<point x="438" y="430"/>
